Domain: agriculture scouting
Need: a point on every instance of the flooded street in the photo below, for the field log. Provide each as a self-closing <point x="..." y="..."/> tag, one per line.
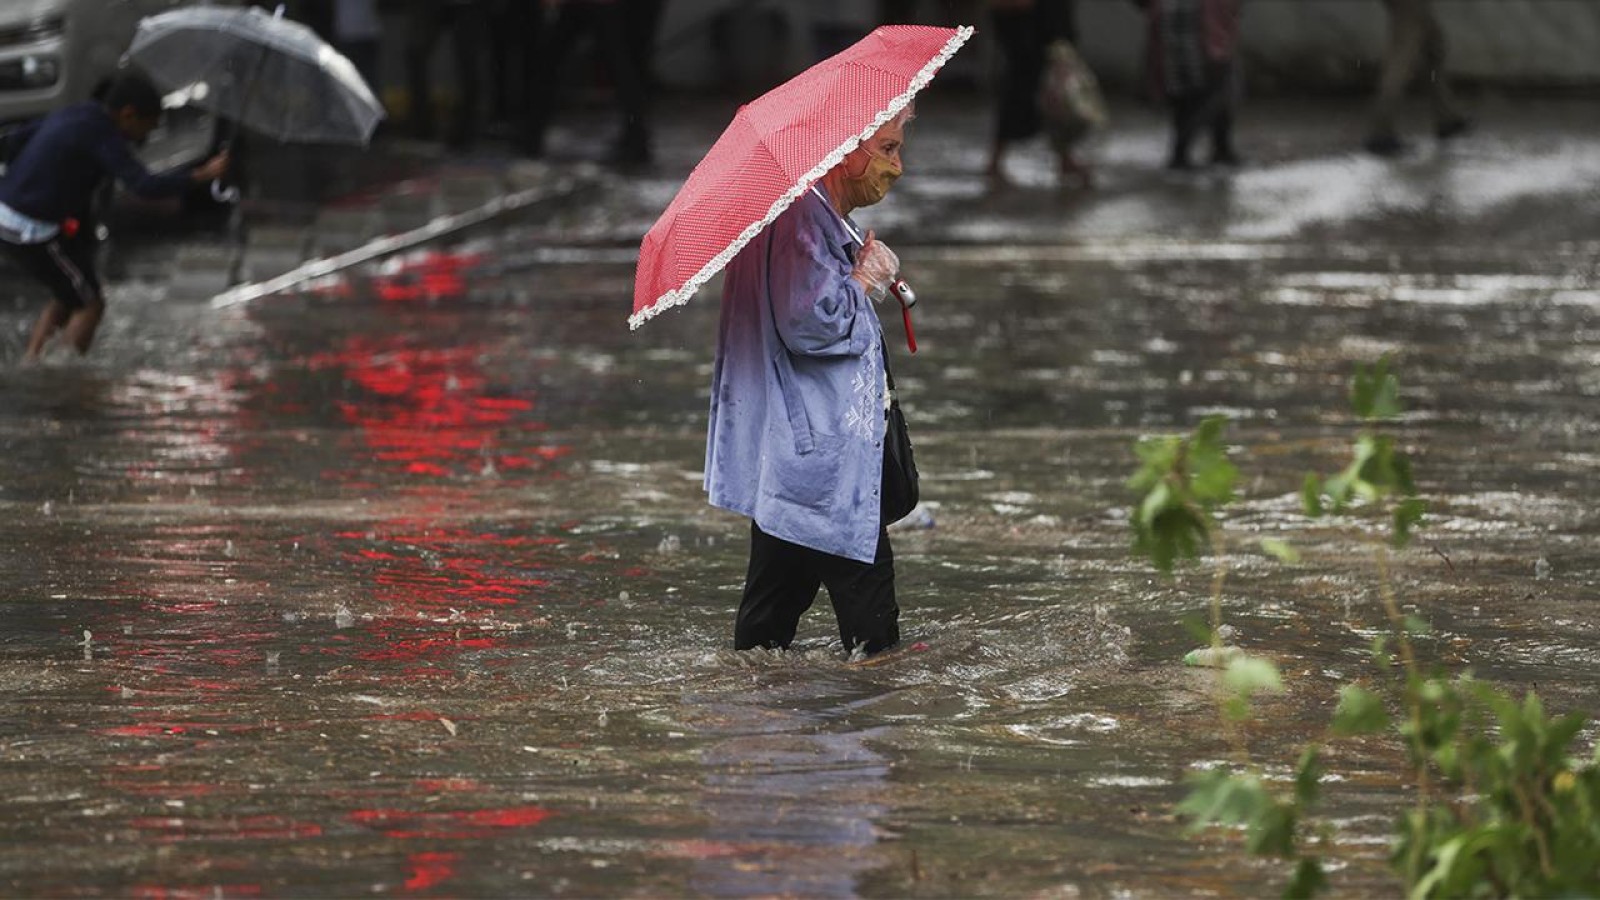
<point x="405" y="583"/>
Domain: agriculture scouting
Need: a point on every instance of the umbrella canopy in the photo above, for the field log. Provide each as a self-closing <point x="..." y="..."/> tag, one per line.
<point x="774" y="149"/>
<point x="270" y="74"/>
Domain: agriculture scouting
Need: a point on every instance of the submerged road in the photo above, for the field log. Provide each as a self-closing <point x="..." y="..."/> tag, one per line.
<point x="403" y="582"/>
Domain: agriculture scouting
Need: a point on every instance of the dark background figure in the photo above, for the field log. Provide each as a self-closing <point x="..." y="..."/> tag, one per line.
<point x="622" y="34"/>
<point x="897" y="12"/>
<point x="1416" y="48"/>
<point x="515" y="29"/>
<point x="356" y="30"/>
<point x="1193" y="57"/>
<point x="465" y="23"/>
<point x="1023" y="29"/>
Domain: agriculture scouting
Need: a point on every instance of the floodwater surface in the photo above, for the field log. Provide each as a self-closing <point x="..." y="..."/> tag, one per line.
<point x="405" y="583"/>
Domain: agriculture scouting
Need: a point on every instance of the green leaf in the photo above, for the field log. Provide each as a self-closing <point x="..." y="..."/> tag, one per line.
<point x="1219" y="797"/>
<point x="1359" y="712"/>
<point x="1375" y="394"/>
<point x="1415" y="624"/>
<point x="1308" y="776"/>
<point x="1282" y="550"/>
<point x="1407" y="513"/>
<point x="1198" y="628"/>
<point x="1250" y="675"/>
<point x="1308" y="879"/>
<point x="1273" y="831"/>
<point x="1311" y="496"/>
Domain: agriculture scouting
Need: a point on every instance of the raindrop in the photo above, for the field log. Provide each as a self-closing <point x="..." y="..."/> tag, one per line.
<point x="48" y="508"/>
<point x="127" y="629"/>
<point x="342" y="617"/>
<point x="1541" y="569"/>
<point x="669" y="545"/>
<point x="227" y="549"/>
<point x="603" y="718"/>
<point x="572" y="631"/>
<point x="623" y="597"/>
<point x="272" y="660"/>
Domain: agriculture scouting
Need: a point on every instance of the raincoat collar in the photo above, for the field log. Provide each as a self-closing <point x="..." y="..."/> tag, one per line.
<point x="844" y="230"/>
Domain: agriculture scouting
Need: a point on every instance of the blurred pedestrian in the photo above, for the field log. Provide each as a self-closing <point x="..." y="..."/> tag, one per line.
<point x="1416" y="49"/>
<point x="1193" y="56"/>
<point x="357" y="32"/>
<point x="515" y="28"/>
<point x="47" y="195"/>
<point x="897" y="12"/>
<point x="800" y="390"/>
<point x="465" y="23"/>
<point x="1024" y="31"/>
<point x="623" y="34"/>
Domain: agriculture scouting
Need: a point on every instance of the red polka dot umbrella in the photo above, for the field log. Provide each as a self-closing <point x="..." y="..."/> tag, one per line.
<point x="774" y="149"/>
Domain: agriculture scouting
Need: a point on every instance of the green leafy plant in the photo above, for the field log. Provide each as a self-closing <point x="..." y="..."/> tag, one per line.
<point x="1502" y="808"/>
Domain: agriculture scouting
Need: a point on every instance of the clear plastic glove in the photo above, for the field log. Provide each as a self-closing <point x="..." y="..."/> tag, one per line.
<point x="876" y="266"/>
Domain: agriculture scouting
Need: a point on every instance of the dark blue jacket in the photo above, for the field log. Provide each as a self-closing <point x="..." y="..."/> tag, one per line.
<point x="66" y="156"/>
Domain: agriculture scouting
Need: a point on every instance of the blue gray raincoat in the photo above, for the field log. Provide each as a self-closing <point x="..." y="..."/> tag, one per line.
<point x="797" y="390"/>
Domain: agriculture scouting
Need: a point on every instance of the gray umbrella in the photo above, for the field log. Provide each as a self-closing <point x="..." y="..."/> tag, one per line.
<point x="267" y="73"/>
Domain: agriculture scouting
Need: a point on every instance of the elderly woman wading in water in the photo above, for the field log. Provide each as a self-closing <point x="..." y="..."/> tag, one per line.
<point x="798" y="399"/>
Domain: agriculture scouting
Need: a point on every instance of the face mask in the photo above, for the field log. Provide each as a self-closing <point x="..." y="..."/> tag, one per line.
<point x="872" y="184"/>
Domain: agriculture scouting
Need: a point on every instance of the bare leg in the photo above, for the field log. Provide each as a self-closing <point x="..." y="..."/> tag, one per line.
<point x="81" y="327"/>
<point x="53" y="317"/>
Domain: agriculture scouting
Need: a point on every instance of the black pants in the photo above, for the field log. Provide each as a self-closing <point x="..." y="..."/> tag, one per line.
<point x="1205" y="109"/>
<point x="782" y="584"/>
<point x="65" y="265"/>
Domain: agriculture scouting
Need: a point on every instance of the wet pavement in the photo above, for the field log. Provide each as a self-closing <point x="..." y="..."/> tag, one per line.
<point x="403" y="582"/>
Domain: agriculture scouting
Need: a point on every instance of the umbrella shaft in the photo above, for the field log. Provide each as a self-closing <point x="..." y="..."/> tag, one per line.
<point x="250" y="88"/>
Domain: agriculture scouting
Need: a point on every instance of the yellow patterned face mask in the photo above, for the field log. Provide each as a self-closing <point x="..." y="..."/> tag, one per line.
<point x="874" y="181"/>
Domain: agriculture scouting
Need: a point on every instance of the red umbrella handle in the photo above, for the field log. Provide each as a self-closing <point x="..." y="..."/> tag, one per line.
<point x="911" y="335"/>
<point x="908" y="299"/>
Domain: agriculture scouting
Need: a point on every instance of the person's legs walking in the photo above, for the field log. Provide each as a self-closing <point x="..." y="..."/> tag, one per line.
<point x="780" y="585"/>
<point x="622" y="29"/>
<point x="1448" y="121"/>
<point x="1407" y="31"/>
<point x="422" y="26"/>
<point x="469" y="31"/>
<point x="555" y="42"/>
<point x="863" y="598"/>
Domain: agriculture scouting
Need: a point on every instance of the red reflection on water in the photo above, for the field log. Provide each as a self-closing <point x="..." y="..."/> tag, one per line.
<point x="430" y="869"/>
<point x="451" y="824"/>
<point x="429" y="411"/>
<point x="428" y="275"/>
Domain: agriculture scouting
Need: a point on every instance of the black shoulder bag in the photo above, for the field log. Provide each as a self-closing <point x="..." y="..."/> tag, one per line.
<point x="900" y="489"/>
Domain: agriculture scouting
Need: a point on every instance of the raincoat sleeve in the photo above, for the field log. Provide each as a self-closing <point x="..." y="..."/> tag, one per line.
<point x="819" y="310"/>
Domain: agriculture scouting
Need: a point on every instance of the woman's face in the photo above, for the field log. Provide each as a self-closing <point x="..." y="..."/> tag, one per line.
<point x="872" y="168"/>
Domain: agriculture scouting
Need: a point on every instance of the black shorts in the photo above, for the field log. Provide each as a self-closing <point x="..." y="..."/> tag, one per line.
<point x="65" y="265"/>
